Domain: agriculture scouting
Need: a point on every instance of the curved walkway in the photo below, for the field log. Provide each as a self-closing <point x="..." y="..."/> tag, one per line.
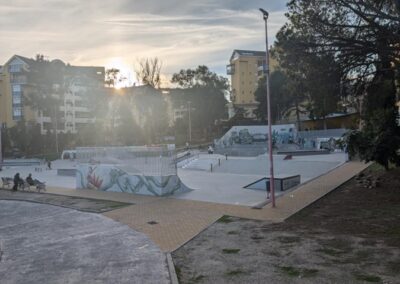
<point x="49" y="244"/>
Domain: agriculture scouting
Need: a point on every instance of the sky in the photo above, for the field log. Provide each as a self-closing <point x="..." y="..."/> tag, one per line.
<point x="117" y="33"/>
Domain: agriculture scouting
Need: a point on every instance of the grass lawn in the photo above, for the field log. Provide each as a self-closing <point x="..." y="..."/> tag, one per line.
<point x="350" y="236"/>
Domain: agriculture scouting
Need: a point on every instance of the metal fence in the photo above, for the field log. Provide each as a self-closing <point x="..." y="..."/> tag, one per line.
<point x="146" y="160"/>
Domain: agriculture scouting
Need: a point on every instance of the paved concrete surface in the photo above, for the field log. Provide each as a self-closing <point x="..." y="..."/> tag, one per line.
<point x="81" y="204"/>
<point x="227" y="181"/>
<point x="49" y="176"/>
<point x="48" y="244"/>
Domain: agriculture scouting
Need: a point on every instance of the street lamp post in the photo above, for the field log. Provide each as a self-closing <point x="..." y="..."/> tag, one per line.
<point x="56" y="127"/>
<point x="190" y="123"/>
<point x="271" y="159"/>
<point x="1" y="147"/>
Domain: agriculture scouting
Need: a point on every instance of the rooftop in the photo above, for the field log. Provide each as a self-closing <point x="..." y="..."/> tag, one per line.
<point x="241" y="52"/>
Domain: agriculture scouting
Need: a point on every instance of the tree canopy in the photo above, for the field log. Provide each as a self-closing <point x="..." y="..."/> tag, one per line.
<point x="206" y="91"/>
<point x="148" y="71"/>
<point x="362" y="35"/>
<point x="358" y="41"/>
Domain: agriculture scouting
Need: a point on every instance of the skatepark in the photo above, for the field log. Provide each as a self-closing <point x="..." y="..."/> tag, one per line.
<point x="216" y="187"/>
<point x="223" y="184"/>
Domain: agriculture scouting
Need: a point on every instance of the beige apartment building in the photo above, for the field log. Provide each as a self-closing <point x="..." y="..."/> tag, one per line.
<point x="3" y="102"/>
<point x="20" y="77"/>
<point x="246" y="67"/>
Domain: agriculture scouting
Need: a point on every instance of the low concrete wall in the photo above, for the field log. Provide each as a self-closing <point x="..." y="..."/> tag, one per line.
<point x="304" y="152"/>
<point x="21" y="162"/>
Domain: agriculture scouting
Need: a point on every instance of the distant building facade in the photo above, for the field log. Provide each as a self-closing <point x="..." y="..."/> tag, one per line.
<point x="23" y="80"/>
<point x="246" y="67"/>
<point x="3" y="100"/>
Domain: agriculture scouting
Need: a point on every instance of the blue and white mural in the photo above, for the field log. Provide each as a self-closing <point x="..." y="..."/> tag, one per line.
<point x="111" y="178"/>
<point x="281" y="134"/>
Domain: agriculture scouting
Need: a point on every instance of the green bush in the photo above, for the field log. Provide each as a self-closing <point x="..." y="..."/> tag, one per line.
<point x="379" y="139"/>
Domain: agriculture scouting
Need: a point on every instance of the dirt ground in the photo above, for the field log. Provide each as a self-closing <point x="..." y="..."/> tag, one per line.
<point x="350" y="236"/>
<point x="82" y="204"/>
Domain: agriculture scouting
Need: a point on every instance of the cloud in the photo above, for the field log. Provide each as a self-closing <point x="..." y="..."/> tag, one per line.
<point x="182" y="34"/>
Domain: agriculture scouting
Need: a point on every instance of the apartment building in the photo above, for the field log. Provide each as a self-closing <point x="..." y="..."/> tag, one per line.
<point x="27" y="85"/>
<point x="3" y="101"/>
<point x="246" y="67"/>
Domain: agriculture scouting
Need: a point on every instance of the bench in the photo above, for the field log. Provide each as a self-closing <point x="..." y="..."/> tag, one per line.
<point x="24" y="185"/>
<point x="39" y="185"/>
<point x="7" y="182"/>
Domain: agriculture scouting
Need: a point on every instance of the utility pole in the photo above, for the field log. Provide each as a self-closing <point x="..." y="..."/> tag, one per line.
<point x="271" y="159"/>
<point x="56" y="127"/>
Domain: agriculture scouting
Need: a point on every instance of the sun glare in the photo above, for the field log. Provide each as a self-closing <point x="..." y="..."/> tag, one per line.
<point x="126" y="75"/>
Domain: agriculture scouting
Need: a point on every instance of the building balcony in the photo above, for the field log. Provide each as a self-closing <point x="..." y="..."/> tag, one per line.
<point x="43" y="119"/>
<point x="84" y="120"/>
<point x="74" y="108"/>
<point x="230" y="69"/>
<point x="18" y="80"/>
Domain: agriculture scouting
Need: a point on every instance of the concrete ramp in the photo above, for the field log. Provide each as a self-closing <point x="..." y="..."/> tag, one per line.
<point x="114" y="178"/>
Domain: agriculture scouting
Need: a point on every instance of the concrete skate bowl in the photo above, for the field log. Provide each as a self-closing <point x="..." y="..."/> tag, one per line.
<point x="147" y="171"/>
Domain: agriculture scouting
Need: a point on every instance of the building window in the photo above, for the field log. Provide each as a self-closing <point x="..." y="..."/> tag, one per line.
<point x="16" y="99"/>
<point x="18" y="79"/>
<point x="16" y="88"/>
<point x="261" y="63"/>
<point x="15" y="68"/>
<point x="17" y="113"/>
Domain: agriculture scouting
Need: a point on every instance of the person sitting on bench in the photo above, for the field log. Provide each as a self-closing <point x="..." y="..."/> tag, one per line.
<point x="17" y="182"/>
<point x="29" y="180"/>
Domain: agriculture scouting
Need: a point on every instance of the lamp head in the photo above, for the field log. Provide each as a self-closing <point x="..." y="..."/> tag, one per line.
<point x="265" y="13"/>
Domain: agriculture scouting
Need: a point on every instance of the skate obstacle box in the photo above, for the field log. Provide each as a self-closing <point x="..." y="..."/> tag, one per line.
<point x="66" y="172"/>
<point x="147" y="170"/>
<point x="282" y="183"/>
